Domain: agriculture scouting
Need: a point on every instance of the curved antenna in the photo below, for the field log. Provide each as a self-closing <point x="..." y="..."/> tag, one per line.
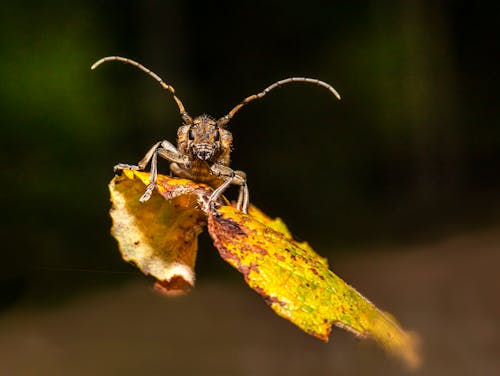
<point x="225" y="119"/>
<point x="150" y="73"/>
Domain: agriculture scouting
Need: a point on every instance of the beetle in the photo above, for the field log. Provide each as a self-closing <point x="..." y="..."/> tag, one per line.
<point x="203" y="144"/>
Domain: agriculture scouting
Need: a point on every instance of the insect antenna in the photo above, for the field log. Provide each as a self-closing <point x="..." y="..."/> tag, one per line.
<point x="225" y="119"/>
<point x="185" y="116"/>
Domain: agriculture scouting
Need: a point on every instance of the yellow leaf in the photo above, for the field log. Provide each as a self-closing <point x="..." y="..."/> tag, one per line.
<point x="298" y="285"/>
<point x="159" y="236"/>
<point x="278" y="225"/>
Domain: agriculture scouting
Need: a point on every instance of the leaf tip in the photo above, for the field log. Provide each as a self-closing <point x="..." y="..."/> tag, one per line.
<point x="411" y="350"/>
<point x="176" y="286"/>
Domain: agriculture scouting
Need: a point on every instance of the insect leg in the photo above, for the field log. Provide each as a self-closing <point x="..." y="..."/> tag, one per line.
<point x="215" y="194"/>
<point x="152" y="177"/>
<point x="232" y="177"/>
<point x="246" y="198"/>
<point x="142" y="163"/>
<point x="173" y="155"/>
<point x="165" y="150"/>
<point x="168" y="146"/>
<point x="243" y="195"/>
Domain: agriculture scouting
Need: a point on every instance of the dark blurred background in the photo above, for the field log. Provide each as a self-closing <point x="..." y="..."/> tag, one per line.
<point x="408" y="159"/>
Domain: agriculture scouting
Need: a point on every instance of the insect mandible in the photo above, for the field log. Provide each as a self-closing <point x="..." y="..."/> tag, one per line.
<point x="203" y="144"/>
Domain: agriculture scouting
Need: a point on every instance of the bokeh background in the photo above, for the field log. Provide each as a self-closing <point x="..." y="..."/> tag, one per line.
<point x="397" y="184"/>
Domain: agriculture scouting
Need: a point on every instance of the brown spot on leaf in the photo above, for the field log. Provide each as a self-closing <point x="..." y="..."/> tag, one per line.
<point x="246" y="269"/>
<point x="226" y="254"/>
<point x="230" y="226"/>
<point x="260" y="251"/>
<point x="280" y="257"/>
<point x="269" y="299"/>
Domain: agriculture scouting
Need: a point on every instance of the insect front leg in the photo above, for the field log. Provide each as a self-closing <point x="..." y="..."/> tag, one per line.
<point x="167" y="151"/>
<point x="163" y="148"/>
<point x="142" y="163"/>
<point x="231" y="177"/>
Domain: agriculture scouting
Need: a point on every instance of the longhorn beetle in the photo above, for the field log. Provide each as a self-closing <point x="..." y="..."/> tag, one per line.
<point x="203" y="144"/>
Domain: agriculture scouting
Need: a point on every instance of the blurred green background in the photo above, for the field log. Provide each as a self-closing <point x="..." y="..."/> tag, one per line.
<point x="409" y="156"/>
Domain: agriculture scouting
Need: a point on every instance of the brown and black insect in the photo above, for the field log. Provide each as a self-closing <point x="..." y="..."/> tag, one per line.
<point x="203" y="144"/>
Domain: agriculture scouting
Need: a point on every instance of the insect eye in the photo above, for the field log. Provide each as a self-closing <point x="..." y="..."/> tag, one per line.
<point x="191" y="135"/>
<point x="216" y="136"/>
